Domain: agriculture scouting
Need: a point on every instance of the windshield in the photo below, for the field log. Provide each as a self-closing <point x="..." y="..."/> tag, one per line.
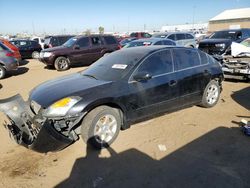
<point x="223" y="35"/>
<point x="137" y="43"/>
<point x="46" y="40"/>
<point x="70" y="42"/>
<point x="114" y="66"/>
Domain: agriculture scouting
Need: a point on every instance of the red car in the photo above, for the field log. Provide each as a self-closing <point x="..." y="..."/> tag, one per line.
<point x="17" y="54"/>
<point x="140" y="35"/>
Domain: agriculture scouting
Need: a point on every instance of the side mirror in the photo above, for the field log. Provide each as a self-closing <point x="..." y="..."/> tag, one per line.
<point x="76" y="47"/>
<point x="142" y="76"/>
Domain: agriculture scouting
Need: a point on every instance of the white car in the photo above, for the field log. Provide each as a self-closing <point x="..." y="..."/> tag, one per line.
<point x="40" y="40"/>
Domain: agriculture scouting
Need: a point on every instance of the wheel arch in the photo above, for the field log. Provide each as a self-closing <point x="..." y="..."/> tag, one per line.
<point x="112" y="104"/>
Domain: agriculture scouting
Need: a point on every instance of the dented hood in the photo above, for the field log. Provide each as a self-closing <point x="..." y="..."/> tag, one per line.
<point x="70" y="85"/>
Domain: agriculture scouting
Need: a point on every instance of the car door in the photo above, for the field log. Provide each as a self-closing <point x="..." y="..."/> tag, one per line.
<point x="81" y="51"/>
<point x="189" y="73"/>
<point x="189" y="41"/>
<point x="159" y="92"/>
<point x="180" y="39"/>
<point x="97" y="47"/>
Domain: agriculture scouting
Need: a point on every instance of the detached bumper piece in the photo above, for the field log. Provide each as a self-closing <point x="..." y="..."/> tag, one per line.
<point x="237" y="68"/>
<point x="30" y="131"/>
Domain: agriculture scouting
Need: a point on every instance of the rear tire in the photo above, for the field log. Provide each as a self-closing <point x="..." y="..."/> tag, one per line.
<point x="35" y="55"/>
<point x="101" y="127"/>
<point x="211" y="94"/>
<point x="2" y="72"/>
<point x="62" y="63"/>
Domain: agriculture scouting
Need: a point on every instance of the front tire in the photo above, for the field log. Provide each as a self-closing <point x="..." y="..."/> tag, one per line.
<point x="2" y="72"/>
<point x="101" y="126"/>
<point x="211" y="94"/>
<point x="62" y="63"/>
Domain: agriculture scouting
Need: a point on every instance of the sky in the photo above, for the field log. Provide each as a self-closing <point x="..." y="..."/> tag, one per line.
<point x="74" y="16"/>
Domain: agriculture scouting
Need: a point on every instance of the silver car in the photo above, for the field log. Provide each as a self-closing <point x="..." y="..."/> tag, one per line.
<point x="181" y="38"/>
<point x="7" y="60"/>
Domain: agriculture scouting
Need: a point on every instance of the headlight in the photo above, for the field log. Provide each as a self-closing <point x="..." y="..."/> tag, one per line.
<point x="47" y="54"/>
<point x="220" y="45"/>
<point x="61" y="107"/>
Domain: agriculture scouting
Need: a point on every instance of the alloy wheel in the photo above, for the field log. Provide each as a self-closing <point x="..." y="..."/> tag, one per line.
<point x="105" y="128"/>
<point x="212" y="94"/>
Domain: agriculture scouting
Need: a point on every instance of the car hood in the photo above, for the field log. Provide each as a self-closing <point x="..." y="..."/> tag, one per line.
<point x="215" y="41"/>
<point x="71" y="85"/>
<point x="54" y="49"/>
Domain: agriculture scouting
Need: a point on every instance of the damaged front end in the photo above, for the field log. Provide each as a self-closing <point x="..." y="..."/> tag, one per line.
<point x="35" y="131"/>
<point x="236" y="67"/>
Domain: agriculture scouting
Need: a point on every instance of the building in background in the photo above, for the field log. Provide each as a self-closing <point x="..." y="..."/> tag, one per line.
<point x="230" y="19"/>
<point x="185" y="27"/>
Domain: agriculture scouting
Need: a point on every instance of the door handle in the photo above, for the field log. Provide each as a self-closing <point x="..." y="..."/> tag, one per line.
<point x="172" y="82"/>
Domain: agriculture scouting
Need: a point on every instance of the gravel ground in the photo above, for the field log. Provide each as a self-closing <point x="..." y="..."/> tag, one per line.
<point x="194" y="147"/>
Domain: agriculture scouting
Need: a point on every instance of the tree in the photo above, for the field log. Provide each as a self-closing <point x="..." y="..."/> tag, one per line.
<point x="87" y="32"/>
<point x="101" y="30"/>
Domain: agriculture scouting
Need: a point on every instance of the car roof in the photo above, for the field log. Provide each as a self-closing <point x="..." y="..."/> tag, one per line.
<point x="151" y="40"/>
<point x="145" y="50"/>
<point x="94" y="35"/>
<point x="176" y="32"/>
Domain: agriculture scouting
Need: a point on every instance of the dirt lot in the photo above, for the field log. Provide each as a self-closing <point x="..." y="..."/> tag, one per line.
<point x="194" y="147"/>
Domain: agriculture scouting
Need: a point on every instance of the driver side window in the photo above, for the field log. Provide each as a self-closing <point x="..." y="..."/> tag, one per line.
<point x="83" y="42"/>
<point x="157" y="64"/>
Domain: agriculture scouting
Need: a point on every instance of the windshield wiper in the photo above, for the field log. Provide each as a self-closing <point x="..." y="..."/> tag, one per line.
<point x="89" y="75"/>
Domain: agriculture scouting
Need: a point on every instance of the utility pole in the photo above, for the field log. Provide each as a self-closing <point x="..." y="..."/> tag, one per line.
<point x="194" y="7"/>
<point x="33" y="28"/>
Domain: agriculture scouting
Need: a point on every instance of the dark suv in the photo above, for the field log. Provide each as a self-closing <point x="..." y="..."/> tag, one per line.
<point x="219" y="43"/>
<point x="140" y="35"/>
<point x="27" y="48"/>
<point x="80" y="49"/>
<point x="58" y="40"/>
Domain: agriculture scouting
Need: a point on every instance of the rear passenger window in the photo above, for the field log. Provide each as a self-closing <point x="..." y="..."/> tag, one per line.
<point x="110" y="40"/>
<point x="96" y="41"/>
<point x="188" y="36"/>
<point x="158" y="63"/>
<point x="185" y="58"/>
<point x="203" y="57"/>
<point x="83" y="42"/>
<point x="180" y="36"/>
<point x="211" y="59"/>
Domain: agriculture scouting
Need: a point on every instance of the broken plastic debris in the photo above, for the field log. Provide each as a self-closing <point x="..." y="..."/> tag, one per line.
<point x="162" y="147"/>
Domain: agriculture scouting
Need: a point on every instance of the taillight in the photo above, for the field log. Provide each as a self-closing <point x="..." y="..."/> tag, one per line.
<point x="10" y="54"/>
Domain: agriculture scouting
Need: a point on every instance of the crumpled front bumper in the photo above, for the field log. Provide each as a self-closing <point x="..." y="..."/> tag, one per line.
<point x="30" y="130"/>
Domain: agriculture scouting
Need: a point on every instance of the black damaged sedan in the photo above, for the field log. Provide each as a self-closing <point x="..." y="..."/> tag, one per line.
<point x="119" y="89"/>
